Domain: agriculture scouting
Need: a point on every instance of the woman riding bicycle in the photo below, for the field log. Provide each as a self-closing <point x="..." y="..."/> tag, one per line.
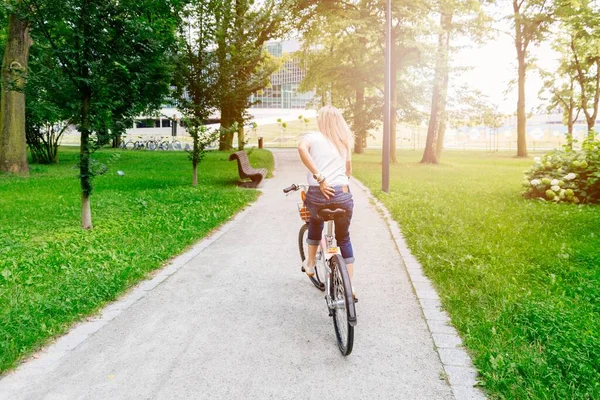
<point x="327" y="155"/>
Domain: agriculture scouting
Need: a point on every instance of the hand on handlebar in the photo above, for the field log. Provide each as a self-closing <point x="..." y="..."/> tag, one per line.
<point x="327" y="190"/>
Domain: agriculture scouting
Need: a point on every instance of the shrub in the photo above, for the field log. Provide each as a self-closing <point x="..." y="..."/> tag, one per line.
<point x="565" y="175"/>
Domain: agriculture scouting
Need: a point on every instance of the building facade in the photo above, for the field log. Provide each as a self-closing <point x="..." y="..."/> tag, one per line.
<point x="283" y="91"/>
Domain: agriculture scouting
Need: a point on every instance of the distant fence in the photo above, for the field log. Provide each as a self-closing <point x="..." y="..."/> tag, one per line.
<point x="539" y="137"/>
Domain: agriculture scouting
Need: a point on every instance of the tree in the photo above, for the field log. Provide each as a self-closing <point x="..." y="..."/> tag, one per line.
<point x="457" y="17"/>
<point x="3" y="34"/>
<point x="195" y="76"/>
<point x="586" y="63"/>
<point x="244" y="65"/>
<point x="203" y="137"/>
<point x="343" y="55"/>
<point x="559" y="88"/>
<point x="49" y="110"/>
<point x="96" y="44"/>
<point x="437" y="117"/>
<point x="579" y="64"/>
<point x="13" y="148"/>
<point x="531" y="19"/>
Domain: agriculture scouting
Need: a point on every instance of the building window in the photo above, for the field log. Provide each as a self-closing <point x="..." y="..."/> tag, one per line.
<point x="144" y="123"/>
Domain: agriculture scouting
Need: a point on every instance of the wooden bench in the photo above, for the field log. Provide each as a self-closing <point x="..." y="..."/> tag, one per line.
<point x="246" y="171"/>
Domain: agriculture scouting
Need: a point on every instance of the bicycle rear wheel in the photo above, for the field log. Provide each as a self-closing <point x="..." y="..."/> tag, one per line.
<point x="318" y="279"/>
<point x="152" y="145"/>
<point x="344" y="311"/>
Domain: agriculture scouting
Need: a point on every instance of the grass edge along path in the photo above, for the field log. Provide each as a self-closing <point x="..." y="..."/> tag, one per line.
<point x="519" y="278"/>
<point x="53" y="273"/>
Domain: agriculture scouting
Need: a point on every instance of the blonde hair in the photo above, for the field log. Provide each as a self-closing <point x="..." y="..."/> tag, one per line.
<point x="334" y="127"/>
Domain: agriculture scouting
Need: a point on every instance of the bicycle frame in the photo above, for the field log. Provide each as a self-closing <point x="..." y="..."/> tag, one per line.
<point x="330" y="275"/>
<point x="328" y="250"/>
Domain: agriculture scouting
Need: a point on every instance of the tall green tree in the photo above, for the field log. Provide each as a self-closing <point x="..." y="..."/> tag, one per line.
<point x="575" y="86"/>
<point x="584" y="42"/>
<point x="532" y="19"/>
<point x="437" y="117"/>
<point x="13" y="148"/>
<point x="560" y="89"/>
<point x="3" y="30"/>
<point x="464" y="18"/>
<point x="341" y="52"/>
<point x="244" y="65"/>
<point x="344" y="53"/>
<point x="197" y="72"/>
<point x="97" y="45"/>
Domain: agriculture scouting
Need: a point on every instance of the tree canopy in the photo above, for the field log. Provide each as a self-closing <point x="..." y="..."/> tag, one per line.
<point x="110" y="59"/>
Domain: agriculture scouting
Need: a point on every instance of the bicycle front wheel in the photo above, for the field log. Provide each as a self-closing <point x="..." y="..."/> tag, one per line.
<point x="318" y="279"/>
<point x="151" y="145"/>
<point x="344" y="311"/>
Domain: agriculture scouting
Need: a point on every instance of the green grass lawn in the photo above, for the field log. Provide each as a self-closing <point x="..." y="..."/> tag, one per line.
<point x="53" y="273"/>
<point x="520" y="278"/>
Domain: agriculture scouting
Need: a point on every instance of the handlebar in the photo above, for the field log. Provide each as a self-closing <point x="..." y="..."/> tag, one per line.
<point x="294" y="187"/>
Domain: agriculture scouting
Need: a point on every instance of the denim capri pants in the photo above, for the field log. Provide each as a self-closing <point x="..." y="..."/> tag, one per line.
<point x="315" y="201"/>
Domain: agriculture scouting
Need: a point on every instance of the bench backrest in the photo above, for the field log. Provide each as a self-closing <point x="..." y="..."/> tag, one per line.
<point x="244" y="167"/>
<point x="243" y="157"/>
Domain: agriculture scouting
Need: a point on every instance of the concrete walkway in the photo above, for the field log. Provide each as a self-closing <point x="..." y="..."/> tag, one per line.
<point x="240" y="321"/>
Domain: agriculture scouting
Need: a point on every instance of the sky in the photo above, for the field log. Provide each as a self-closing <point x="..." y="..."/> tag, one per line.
<point x="494" y="65"/>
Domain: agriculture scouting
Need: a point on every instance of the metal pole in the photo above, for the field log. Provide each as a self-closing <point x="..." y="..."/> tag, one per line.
<point x="385" y="170"/>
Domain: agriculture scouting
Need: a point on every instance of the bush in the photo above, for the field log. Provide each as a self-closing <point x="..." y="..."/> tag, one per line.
<point x="566" y="175"/>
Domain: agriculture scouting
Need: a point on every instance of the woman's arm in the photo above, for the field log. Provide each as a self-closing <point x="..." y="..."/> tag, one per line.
<point x="349" y="168"/>
<point x="307" y="160"/>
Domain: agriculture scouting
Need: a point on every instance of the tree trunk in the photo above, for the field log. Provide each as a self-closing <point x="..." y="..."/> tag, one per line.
<point x="195" y="174"/>
<point x="227" y="120"/>
<point x="591" y="122"/>
<point x="13" y="147"/>
<point x="359" y="120"/>
<point x="430" y="154"/>
<point x="241" y="137"/>
<point x="570" y="124"/>
<point x="117" y="141"/>
<point x="393" y="105"/>
<point x="86" y="212"/>
<point x="521" y="114"/>
<point x="84" y="162"/>
<point x="446" y="29"/>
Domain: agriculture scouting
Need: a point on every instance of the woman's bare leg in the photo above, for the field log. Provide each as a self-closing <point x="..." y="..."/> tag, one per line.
<point x="312" y="253"/>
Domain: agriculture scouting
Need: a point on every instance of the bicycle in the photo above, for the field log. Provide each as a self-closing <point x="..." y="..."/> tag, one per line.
<point x="174" y="144"/>
<point x="128" y="144"/>
<point x="331" y="274"/>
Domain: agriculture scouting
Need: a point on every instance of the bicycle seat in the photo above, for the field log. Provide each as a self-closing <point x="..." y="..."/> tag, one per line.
<point x="327" y="214"/>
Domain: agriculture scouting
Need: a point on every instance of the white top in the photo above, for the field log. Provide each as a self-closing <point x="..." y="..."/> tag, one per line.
<point x="327" y="159"/>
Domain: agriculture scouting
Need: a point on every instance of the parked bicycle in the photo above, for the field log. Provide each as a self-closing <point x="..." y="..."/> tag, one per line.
<point x="151" y="144"/>
<point x="331" y="274"/>
<point x="131" y="144"/>
<point x="174" y="144"/>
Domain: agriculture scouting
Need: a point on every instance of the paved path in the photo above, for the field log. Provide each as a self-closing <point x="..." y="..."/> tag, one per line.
<point x="240" y="321"/>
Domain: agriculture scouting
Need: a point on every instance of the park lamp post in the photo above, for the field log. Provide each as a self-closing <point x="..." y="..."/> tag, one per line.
<point x="385" y="165"/>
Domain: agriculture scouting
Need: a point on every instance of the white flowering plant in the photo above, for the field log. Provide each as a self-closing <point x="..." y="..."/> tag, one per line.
<point x="565" y="175"/>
